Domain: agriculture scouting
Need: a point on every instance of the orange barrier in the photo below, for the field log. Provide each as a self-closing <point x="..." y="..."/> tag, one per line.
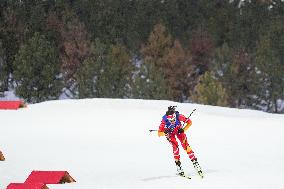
<point x="12" y="105"/>
<point x="49" y="177"/>
<point x="2" y="158"/>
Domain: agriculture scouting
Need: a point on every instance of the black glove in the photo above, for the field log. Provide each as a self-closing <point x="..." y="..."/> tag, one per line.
<point x="180" y="130"/>
<point x="167" y="131"/>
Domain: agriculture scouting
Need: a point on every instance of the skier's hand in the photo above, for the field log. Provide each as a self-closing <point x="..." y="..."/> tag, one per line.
<point x="166" y="131"/>
<point x="180" y="130"/>
<point x="189" y="123"/>
<point x="161" y="133"/>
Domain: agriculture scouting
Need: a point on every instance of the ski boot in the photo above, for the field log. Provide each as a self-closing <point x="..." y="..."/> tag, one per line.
<point x="197" y="167"/>
<point x="179" y="168"/>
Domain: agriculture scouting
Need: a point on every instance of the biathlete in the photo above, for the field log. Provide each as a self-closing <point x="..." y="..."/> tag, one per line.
<point x="171" y="126"/>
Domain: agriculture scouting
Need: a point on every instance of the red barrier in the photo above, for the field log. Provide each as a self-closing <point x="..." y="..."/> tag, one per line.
<point x="49" y="177"/>
<point x="27" y="186"/>
<point x="12" y="105"/>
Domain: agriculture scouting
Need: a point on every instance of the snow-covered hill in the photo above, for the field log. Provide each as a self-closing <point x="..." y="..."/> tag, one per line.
<point x="105" y="144"/>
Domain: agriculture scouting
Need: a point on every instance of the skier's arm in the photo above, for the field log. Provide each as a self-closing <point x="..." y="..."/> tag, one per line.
<point x="161" y="131"/>
<point x="187" y="122"/>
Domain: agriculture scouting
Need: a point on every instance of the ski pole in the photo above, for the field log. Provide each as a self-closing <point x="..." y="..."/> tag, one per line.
<point x="191" y="113"/>
<point x="151" y="130"/>
<point x="188" y="117"/>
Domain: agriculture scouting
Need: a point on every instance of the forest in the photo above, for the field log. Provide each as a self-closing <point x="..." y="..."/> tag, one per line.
<point x="226" y="53"/>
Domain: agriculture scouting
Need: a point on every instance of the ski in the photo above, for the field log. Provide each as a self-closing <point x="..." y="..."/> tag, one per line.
<point x="200" y="173"/>
<point x="198" y="168"/>
<point x="184" y="176"/>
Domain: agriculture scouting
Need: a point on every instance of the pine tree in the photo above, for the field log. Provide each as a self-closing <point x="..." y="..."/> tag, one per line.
<point x="201" y="52"/>
<point x="150" y="82"/>
<point x="240" y="83"/>
<point x="270" y="75"/>
<point x="201" y="49"/>
<point x="73" y="44"/>
<point x="37" y="70"/>
<point x="223" y="58"/>
<point x="210" y="91"/>
<point x="176" y="69"/>
<point x="98" y="61"/>
<point x="12" y="32"/>
<point x="252" y="20"/>
<point x="113" y="79"/>
<point x="221" y="16"/>
<point x="158" y="45"/>
<point x="85" y="78"/>
<point x="2" y="72"/>
<point x="107" y="72"/>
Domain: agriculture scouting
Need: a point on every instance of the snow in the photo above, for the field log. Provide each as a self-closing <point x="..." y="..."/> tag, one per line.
<point x="9" y="95"/>
<point x="105" y="144"/>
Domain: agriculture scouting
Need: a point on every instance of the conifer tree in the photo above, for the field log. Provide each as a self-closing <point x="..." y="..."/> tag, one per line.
<point x="150" y="82"/>
<point x="210" y="91"/>
<point x="158" y="45"/>
<point x="201" y="53"/>
<point x="270" y="75"/>
<point x="223" y="58"/>
<point x="201" y="49"/>
<point x="177" y="68"/>
<point x="73" y="44"/>
<point x="107" y="72"/>
<point x="12" y="32"/>
<point x="113" y="79"/>
<point x="37" y="70"/>
<point x="252" y="20"/>
<point x="85" y="78"/>
<point x="240" y="82"/>
<point x="2" y="73"/>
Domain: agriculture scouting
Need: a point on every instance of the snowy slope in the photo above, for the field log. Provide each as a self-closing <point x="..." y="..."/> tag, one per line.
<point x="105" y="144"/>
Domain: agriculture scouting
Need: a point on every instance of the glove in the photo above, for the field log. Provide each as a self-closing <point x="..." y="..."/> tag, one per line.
<point x="167" y="131"/>
<point x="189" y="123"/>
<point x="180" y="130"/>
<point x="161" y="133"/>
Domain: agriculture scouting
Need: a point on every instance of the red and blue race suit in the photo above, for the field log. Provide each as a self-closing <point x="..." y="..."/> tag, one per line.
<point x="172" y="131"/>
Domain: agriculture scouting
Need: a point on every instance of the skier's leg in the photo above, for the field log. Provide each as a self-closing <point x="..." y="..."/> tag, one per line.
<point x="174" y="143"/>
<point x="183" y="140"/>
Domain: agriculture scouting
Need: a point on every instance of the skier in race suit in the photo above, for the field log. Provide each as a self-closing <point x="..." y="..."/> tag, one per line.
<point x="171" y="127"/>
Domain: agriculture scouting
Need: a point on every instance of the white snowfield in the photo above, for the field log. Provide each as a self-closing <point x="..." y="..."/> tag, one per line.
<point x="106" y="144"/>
